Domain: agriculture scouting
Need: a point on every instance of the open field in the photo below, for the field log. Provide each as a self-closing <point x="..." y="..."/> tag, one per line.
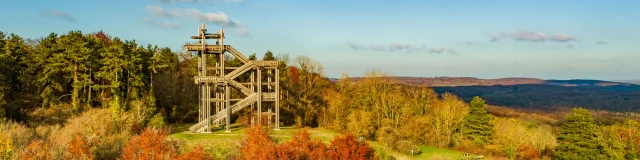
<point x="221" y="142"/>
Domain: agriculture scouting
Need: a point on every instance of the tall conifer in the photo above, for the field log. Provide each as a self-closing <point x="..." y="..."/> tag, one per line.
<point x="478" y="124"/>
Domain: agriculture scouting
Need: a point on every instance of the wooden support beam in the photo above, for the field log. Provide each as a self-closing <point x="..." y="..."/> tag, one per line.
<point x="254" y="83"/>
<point x="209" y="49"/>
<point x="227" y="68"/>
<point x="208" y="36"/>
<point x="222" y="100"/>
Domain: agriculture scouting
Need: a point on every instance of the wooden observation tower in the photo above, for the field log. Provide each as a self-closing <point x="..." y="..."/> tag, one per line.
<point x="216" y="81"/>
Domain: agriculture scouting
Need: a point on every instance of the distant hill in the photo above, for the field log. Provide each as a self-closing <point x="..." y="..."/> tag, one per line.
<point x="533" y="93"/>
<point x="471" y="81"/>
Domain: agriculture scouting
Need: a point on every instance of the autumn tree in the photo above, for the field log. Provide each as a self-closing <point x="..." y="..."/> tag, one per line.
<point x="347" y="147"/>
<point x="304" y="90"/>
<point x="478" y="124"/>
<point x="448" y="117"/>
<point x="518" y="139"/>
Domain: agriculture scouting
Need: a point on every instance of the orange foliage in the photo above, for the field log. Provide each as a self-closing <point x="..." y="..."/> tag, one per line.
<point x="302" y="147"/>
<point x="527" y="152"/>
<point x="196" y="154"/>
<point x="80" y="148"/>
<point x="258" y="145"/>
<point x="346" y="147"/>
<point x="294" y="74"/>
<point x="37" y="150"/>
<point x="149" y="145"/>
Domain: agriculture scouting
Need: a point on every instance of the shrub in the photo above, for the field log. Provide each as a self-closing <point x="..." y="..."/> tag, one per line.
<point x="382" y="155"/>
<point x="360" y="123"/>
<point x="150" y="144"/>
<point x="80" y="147"/>
<point x="346" y="147"/>
<point x="6" y="147"/>
<point x="302" y="147"/>
<point x="157" y="121"/>
<point x="55" y="114"/>
<point x="406" y="147"/>
<point x="527" y="152"/>
<point x="223" y="150"/>
<point x="97" y="124"/>
<point x="388" y="137"/>
<point x="257" y="145"/>
<point x="37" y="150"/>
<point x="196" y="154"/>
<point x="16" y="137"/>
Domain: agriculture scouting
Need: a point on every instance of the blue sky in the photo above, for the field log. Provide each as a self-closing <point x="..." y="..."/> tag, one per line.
<point x="587" y="39"/>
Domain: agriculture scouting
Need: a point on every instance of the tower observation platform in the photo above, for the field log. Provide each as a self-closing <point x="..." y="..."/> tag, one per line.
<point x="216" y="79"/>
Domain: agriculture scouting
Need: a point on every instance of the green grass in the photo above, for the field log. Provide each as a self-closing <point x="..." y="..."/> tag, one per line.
<point x="219" y="138"/>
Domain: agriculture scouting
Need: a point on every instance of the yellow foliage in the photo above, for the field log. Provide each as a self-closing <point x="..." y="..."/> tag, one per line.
<point x="6" y="147"/>
<point x="512" y="133"/>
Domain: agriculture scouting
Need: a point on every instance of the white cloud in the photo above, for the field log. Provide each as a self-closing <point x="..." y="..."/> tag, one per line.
<point x="166" y="24"/>
<point x="160" y="12"/>
<point x="401" y="47"/>
<point x="59" y="15"/>
<point x="218" y="18"/>
<point x="562" y="38"/>
<point x="494" y="37"/>
<point x="601" y="42"/>
<point x="530" y="36"/>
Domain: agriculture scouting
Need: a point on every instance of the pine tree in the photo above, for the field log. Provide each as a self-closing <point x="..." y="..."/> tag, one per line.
<point x="111" y="71"/>
<point x="478" y="124"/>
<point x="75" y="62"/>
<point x="12" y="57"/>
<point x="48" y="76"/>
<point x="2" y="76"/>
<point x="268" y="56"/>
<point x="579" y="137"/>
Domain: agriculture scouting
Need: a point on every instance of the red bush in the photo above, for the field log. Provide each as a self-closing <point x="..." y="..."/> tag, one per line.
<point x="302" y="147"/>
<point x="257" y="145"/>
<point x="80" y="148"/>
<point x="196" y="154"/>
<point x="527" y="152"/>
<point x="150" y="144"/>
<point x="346" y="147"/>
<point x="37" y="150"/>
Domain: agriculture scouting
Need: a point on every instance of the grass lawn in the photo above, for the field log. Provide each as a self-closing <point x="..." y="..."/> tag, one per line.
<point x="220" y="141"/>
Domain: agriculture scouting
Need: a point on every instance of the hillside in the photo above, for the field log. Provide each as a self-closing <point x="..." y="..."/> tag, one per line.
<point x="535" y="93"/>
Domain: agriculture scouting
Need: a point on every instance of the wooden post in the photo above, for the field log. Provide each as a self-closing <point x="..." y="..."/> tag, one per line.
<point x="206" y="99"/>
<point x="269" y="118"/>
<point x="227" y="94"/>
<point x="277" y="103"/>
<point x="208" y="111"/>
<point x="259" y="95"/>
<point x="226" y="84"/>
<point x="253" y="89"/>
